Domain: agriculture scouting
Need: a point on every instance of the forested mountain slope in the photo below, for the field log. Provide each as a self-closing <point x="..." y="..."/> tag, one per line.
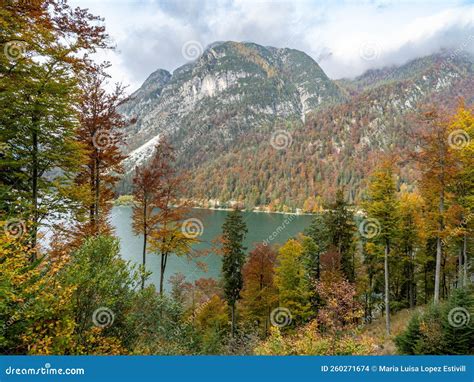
<point x="266" y="126"/>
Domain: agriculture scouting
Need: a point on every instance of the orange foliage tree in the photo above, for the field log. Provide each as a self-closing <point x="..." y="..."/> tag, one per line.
<point x="158" y="213"/>
<point x="100" y="135"/>
<point x="259" y="294"/>
<point x="437" y="164"/>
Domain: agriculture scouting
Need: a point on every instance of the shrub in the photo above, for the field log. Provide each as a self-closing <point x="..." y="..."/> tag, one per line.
<point x="308" y="341"/>
<point x="444" y="329"/>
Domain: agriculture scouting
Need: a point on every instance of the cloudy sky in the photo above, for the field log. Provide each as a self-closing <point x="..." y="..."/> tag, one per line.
<point x="345" y="38"/>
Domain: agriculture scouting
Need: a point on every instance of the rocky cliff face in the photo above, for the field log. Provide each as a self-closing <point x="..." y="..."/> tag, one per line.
<point x="221" y="113"/>
<point x="230" y="89"/>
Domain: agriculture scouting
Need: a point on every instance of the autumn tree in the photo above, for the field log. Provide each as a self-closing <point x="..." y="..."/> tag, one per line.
<point x="99" y="133"/>
<point x="339" y="309"/>
<point x="170" y="232"/>
<point x="462" y="141"/>
<point x="437" y="165"/>
<point x="291" y="281"/>
<point x="211" y="320"/>
<point x="157" y="211"/>
<point x="259" y="294"/>
<point x="369" y="280"/>
<point x="411" y="239"/>
<point x="234" y="230"/>
<point x="144" y="218"/>
<point x="382" y="208"/>
<point x="45" y="47"/>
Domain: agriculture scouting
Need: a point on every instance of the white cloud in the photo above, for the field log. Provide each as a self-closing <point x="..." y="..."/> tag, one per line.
<point x="150" y="34"/>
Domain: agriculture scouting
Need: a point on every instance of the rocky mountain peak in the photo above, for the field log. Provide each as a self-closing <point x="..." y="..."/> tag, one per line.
<point x="241" y="85"/>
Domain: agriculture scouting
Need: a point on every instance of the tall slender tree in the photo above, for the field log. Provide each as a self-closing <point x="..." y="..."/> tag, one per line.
<point x="437" y="165"/>
<point x="45" y="47"/>
<point x="312" y="262"/>
<point x="292" y="282"/>
<point x="145" y="189"/>
<point x="158" y="213"/>
<point x="259" y="294"/>
<point x="234" y="231"/>
<point x="170" y="234"/>
<point x="341" y="228"/>
<point x="382" y="206"/>
<point x="411" y="238"/>
<point x="462" y="137"/>
<point x="319" y="233"/>
<point x="99" y="132"/>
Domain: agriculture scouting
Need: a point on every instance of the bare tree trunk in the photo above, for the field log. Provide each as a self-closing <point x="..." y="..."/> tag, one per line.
<point x="265" y="322"/>
<point x="439" y="249"/>
<point x="91" y="205"/>
<point x="387" y="298"/>
<point x="164" y="259"/>
<point x="161" y="273"/>
<point x="232" y="310"/>
<point x="34" y="189"/>
<point x="144" y="259"/>
<point x="460" y="282"/>
<point x="464" y="255"/>
<point x="369" y="298"/>
<point x="97" y="195"/>
<point x="144" y="242"/>
<point x="426" y="284"/>
<point x="412" y="280"/>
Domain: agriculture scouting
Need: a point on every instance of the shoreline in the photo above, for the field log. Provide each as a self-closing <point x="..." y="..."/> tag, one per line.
<point x="255" y="211"/>
<point x="116" y="203"/>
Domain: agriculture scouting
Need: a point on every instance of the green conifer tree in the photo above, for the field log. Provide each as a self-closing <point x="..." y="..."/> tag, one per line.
<point x="234" y="231"/>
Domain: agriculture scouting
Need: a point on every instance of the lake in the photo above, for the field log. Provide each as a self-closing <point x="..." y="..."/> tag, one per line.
<point x="275" y="228"/>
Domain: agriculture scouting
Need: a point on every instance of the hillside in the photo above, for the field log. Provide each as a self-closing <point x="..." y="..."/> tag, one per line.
<point x="238" y="98"/>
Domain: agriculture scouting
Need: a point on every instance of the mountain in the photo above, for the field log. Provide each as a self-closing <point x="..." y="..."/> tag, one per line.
<point x="227" y="112"/>
<point x="232" y="88"/>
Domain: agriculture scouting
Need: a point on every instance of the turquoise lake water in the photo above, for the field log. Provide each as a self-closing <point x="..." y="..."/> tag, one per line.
<point x="261" y="226"/>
